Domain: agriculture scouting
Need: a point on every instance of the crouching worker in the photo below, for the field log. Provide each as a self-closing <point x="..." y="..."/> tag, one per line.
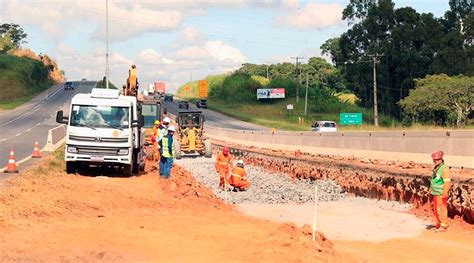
<point x="238" y="177"/>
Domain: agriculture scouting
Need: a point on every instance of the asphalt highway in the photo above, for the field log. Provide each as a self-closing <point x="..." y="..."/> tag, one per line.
<point x="22" y="127"/>
<point x="214" y="118"/>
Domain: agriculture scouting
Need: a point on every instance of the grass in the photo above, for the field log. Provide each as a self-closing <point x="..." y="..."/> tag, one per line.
<point x="21" y="79"/>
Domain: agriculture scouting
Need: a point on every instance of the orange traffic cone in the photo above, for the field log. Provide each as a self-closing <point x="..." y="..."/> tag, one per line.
<point x="36" y="151"/>
<point x="11" y="167"/>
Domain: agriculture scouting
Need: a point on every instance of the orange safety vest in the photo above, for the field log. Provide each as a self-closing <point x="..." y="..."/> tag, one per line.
<point x="223" y="162"/>
<point x="237" y="176"/>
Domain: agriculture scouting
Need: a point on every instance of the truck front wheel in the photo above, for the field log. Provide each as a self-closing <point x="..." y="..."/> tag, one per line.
<point x="127" y="170"/>
<point x="70" y="167"/>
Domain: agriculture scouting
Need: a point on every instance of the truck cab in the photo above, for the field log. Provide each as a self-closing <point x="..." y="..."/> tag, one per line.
<point x="104" y="129"/>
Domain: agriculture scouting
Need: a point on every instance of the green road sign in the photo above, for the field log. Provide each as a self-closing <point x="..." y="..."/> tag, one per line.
<point x="350" y="118"/>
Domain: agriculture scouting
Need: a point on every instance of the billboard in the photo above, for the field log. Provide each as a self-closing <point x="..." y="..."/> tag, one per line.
<point x="271" y="93"/>
<point x="202" y="84"/>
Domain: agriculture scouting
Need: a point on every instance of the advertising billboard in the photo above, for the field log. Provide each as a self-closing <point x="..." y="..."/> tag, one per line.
<point x="271" y="93"/>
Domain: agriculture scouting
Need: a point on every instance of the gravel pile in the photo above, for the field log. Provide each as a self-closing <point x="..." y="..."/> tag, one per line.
<point x="265" y="187"/>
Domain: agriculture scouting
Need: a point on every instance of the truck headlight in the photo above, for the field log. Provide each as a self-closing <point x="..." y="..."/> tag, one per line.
<point x="122" y="152"/>
<point x="71" y="149"/>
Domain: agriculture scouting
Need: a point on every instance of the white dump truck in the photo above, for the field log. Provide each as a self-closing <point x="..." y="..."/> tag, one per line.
<point x="104" y="129"/>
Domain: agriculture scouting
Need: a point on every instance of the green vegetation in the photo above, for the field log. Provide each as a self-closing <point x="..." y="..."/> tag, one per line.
<point x="409" y="45"/>
<point x="20" y="79"/>
<point x="442" y="99"/>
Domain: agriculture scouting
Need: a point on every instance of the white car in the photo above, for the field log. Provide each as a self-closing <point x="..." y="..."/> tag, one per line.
<point x="324" y="126"/>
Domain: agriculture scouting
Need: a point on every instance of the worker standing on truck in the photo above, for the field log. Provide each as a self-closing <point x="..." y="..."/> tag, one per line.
<point x="238" y="177"/>
<point x="223" y="166"/>
<point x="167" y="153"/>
<point x="440" y="184"/>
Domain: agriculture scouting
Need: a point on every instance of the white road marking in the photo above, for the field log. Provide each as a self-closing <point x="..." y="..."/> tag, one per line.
<point x="2" y="140"/>
<point x="28" y="130"/>
<point x="18" y="134"/>
<point x="38" y="124"/>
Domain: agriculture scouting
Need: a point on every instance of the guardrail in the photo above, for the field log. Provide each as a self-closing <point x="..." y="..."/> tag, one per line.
<point x="453" y="143"/>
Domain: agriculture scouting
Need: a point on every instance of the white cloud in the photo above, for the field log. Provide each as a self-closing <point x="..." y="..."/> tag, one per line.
<point x="220" y="51"/>
<point x="313" y="15"/>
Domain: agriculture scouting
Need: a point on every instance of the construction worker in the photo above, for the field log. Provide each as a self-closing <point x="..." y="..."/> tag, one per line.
<point x="167" y="153"/>
<point x="223" y="166"/>
<point x="164" y="128"/>
<point x="440" y="184"/>
<point x="238" y="177"/>
<point x="156" y="151"/>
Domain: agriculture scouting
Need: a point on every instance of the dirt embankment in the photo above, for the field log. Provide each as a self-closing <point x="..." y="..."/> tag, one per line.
<point x="405" y="182"/>
<point x="48" y="215"/>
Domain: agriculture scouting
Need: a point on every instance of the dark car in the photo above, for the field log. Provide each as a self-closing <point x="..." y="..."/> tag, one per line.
<point x="201" y="104"/>
<point x="183" y="104"/>
<point x="68" y="85"/>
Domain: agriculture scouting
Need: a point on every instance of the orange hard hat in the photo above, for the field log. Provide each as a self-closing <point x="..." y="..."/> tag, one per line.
<point x="438" y="155"/>
<point x="225" y="150"/>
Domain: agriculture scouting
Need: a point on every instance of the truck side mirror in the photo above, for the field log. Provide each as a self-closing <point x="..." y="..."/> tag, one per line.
<point x="60" y="118"/>
<point x="139" y="123"/>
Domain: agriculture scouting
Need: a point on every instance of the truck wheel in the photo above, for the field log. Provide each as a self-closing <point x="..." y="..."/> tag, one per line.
<point x="207" y="148"/>
<point x="127" y="170"/>
<point x="70" y="167"/>
<point x="177" y="151"/>
<point x="135" y="162"/>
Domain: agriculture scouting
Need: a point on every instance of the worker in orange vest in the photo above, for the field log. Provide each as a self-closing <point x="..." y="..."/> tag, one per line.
<point x="440" y="184"/>
<point x="238" y="177"/>
<point x="223" y="166"/>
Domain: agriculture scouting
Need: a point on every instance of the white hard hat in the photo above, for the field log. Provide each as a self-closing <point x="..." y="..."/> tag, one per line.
<point x="240" y="162"/>
<point x="172" y="128"/>
<point x="167" y="120"/>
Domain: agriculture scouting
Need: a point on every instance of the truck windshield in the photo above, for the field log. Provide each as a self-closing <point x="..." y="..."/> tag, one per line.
<point x="98" y="116"/>
<point x="150" y="114"/>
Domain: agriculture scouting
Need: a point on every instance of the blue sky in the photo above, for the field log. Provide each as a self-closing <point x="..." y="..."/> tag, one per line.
<point x="172" y="40"/>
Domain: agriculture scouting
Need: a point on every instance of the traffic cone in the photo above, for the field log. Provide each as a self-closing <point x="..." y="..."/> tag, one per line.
<point x="36" y="151"/>
<point x="11" y="167"/>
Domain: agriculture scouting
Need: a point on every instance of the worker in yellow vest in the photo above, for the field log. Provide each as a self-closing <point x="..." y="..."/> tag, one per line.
<point x="440" y="185"/>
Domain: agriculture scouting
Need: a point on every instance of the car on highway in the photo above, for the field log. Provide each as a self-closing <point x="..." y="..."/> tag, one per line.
<point x="84" y="80"/>
<point x="68" y="85"/>
<point x="182" y="104"/>
<point x="201" y="104"/>
<point x="324" y="126"/>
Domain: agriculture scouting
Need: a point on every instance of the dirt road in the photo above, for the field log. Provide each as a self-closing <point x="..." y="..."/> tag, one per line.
<point x="46" y="215"/>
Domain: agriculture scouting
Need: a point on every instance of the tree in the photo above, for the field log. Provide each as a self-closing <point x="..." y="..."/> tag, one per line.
<point x="441" y="96"/>
<point x="14" y="32"/>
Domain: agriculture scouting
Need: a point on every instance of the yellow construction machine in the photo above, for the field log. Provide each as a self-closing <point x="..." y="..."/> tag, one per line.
<point x="190" y="134"/>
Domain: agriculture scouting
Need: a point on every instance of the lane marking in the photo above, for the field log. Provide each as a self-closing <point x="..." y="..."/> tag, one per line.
<point x="38" y="124"/>
<point x="18" y="134"/>
<point x="2" y="140"/>
<point x="28" y="130"/>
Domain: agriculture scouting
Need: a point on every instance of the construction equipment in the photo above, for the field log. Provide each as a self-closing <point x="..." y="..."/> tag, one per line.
<point x="131" y="88"/>
<point x="190" y="134"/>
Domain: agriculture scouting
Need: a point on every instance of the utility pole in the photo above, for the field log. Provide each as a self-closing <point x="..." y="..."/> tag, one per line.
<point x="306" y="95"/>
<point x="375" y="60"/>
<point x="299" y="78"/>
<point x="267" y="70"/>
<point x="107" y="70"/>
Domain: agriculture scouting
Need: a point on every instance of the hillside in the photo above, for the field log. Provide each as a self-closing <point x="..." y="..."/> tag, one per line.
<point x="23" y="77"/>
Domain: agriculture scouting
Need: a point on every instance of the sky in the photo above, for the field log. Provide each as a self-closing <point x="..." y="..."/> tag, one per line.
<point x="179" y="40"/>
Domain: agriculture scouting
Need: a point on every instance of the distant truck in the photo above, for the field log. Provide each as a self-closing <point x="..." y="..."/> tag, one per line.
<point x="104" y="129"/>
<point x="160" y="88"/>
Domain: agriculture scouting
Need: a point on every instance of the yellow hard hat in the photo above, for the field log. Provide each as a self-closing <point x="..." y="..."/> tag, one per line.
<point x="157" y="122"/>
